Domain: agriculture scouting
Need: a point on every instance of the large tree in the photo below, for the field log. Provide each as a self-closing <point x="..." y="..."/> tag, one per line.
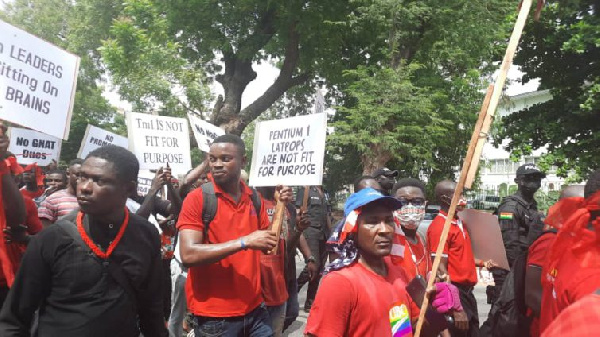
<point x="562" y="49"/>
<point x="157" y="46"/>
<point x="79" y="28"/>
<point x="435" y="57"/>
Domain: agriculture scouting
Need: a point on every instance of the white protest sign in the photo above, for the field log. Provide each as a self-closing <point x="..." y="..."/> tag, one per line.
<point x="204" y="132"/>
<point x="158" y="140"/>
<point x="144" y="182"/>
<point x="37" y="82"/>
<point x="289" y="151"/>
<point x="30" y="147"/>
<point x="96" y="137"/>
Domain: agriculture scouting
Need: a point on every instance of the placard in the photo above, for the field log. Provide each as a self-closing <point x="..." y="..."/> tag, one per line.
<point x="96" y="137"/>
<point x="30" y="146"/>
<point x="158" y="140"/>
<point x="289" y="151"/>
<point x="486" y="238"/>
<point x="204" y="132"/>
<point x="144" y="182"/>
<point x="37" y="82"/>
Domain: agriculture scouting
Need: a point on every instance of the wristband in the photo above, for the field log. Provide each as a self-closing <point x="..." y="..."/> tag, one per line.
<point x="243" y="244"/>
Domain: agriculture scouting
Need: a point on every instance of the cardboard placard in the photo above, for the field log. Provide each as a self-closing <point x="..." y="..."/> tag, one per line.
<point x="37" y="82"/>
<point x="204" y="132"/>
<point x="486" y="238"/>
<point x="30" y="146"/>
<point x="144" y="182"/>
<point x="158" y="140"/>
<point x="96" y="137"/>
<point x="289" y="151"/>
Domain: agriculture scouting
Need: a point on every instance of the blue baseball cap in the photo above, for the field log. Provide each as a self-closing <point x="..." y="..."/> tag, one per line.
<point x="367" y="196"/>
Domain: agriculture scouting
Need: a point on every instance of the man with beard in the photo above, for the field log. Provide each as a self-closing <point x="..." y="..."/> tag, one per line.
<point x="96" y="272"/>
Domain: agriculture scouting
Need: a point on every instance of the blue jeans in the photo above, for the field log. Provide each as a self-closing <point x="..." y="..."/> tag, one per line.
<point x="277" y="314"/>
<point x="292" y="309"/>
<point x="253" y="324"/>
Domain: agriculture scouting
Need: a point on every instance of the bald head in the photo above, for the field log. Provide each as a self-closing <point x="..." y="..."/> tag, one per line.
<point x="572" y="191"/>
<point x="444" y="191"/>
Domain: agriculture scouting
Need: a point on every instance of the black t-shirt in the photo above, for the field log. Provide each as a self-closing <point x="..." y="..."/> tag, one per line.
<point x="316" y="209"/>
<point x="76" y="294"/>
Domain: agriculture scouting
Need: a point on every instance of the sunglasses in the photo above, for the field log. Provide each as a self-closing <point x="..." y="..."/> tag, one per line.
<point x="414" y="201"/>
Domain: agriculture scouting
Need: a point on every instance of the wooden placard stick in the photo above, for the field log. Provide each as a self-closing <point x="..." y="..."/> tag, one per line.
<point x="276" y="223"/>
<point x="476" y="137"/>
<point x="304" y="207"/>
<point x="471" y="157"/>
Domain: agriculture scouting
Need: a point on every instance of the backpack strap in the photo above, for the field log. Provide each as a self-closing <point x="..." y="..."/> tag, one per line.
<point x="210" y="203"/>
<point x="114" y="269"/>
<point x="209" y="206"/>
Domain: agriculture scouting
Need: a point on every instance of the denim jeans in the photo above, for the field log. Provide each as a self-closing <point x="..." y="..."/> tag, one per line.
<point x="253" y="324"/>
<point x="292" y="309"/>
<point x="277" y="314"/>
<point x="178" y="300"/>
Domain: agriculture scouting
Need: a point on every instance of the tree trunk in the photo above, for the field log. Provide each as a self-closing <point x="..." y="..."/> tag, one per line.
<point x="239" y="73"/>
<point x="375" y="158"/>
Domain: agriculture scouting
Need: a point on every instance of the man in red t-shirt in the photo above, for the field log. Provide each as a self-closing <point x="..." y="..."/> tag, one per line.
<point x="573" y="266"/>
<point x="33" y="178"/>
<point x="413" y="255"/>
<point x="12" y="212"/>
<point x="458" y="261"/>
<point x="364" y="294"/>
<point x="224" y="285"/>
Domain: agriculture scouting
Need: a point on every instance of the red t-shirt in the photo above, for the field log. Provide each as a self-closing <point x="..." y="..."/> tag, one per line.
<point x="26" y="193"/>
<point x="412" y="257"/>
<point x="537" y="257"/>
<point x="15" y="251"/>
<point x="272" y="267"/>
<point x="573" y="278"/>
<point x="230" y="287"/>
<point x="580" y="319"/>
<point x="461" y="262"/>
<point x="354" y="301"/>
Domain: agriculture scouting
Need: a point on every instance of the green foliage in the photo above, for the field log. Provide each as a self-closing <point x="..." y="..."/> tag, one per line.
<point x="563" y="50"/>
<point x="441" y="53"/>
<point x="147" y="66"/>
<point x="69" y="25"/>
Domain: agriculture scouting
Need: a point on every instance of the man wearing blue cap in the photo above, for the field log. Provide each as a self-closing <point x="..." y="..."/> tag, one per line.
<point x="363" y="293"/>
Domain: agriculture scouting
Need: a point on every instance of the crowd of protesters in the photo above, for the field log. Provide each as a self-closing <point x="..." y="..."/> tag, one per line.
<point x="84" y="255"/>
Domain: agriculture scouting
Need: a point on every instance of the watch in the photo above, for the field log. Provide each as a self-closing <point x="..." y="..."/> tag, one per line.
<point x="310" y="259"/>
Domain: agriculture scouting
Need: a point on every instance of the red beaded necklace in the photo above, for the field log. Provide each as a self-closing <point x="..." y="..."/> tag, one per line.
<point x="88" y="241"/>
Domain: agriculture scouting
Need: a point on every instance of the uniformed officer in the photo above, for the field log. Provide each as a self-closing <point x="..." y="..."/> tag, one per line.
<point x="520" y="221"/>
<point x="316" y="236"/>
<point x="386" y="178"/>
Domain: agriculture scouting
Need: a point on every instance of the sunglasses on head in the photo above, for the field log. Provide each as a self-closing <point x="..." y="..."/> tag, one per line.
<point x="413" y="201"/>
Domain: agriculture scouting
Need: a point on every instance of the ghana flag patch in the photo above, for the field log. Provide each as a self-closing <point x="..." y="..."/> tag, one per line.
<point x="506" y="216"/>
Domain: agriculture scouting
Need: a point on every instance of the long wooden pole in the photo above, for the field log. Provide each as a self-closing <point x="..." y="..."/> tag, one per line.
<point x="471" y="155"/>
<point x="276" y="223"/>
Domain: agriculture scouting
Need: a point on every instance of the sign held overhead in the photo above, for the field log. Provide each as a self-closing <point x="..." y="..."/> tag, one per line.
<point x="204" y="132"/>
<point x="158" y="140"/>
<point x="30" y="147"/>
<point x="37" y="82"/>
<point x="289" y="151"/>
<point x="96" y="137"/>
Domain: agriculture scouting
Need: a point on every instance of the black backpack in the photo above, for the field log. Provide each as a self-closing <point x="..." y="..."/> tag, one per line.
<point x="508" y="316"/>
<point x="210" y="203"/>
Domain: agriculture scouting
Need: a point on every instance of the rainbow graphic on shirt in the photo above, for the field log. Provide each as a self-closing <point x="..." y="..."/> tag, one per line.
<point x="400" y="321"/>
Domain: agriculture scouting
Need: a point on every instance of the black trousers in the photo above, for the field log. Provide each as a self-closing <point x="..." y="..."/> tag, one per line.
<point x="166" y="287"/>
<point x="469" y="304"/>
<point x="316" y="242"/>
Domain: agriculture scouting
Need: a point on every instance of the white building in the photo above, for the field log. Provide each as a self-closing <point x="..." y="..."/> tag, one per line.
<point x="496" y="168"/>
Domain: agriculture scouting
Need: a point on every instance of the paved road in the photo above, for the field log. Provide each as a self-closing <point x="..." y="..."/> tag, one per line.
<point x="297" y="329"/>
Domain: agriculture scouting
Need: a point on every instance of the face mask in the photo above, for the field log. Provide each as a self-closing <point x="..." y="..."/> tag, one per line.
<point x="462" y="204"/>
<point x="410" y="216"/>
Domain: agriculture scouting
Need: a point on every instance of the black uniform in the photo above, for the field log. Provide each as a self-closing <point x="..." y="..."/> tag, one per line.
<point x="316" y="236"/>
<point x="520" y="224"/>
